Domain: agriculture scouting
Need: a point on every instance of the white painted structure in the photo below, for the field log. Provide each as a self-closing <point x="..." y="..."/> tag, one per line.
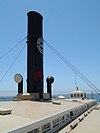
<point x="78" y="94"/>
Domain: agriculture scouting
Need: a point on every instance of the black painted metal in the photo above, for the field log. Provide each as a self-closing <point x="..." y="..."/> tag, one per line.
<point x="20" y="87"/>
<point x="49" y="81"/>
<point x="34" y="55"/>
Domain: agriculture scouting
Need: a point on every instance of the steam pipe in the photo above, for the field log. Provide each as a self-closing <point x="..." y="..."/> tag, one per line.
<point x="20" y="87"/>
<point x="49" y="81"/>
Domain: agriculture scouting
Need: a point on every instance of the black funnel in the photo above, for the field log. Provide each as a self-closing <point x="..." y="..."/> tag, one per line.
<point x="35" y="54"/>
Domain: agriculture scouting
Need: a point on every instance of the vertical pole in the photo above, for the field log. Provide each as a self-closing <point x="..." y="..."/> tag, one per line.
<point x="49" y="89"/>
<point x="35" y="54"/>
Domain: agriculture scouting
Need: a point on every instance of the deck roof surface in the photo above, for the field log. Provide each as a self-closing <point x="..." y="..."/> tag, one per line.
<point x="90" y="124"/>
<point x="26" y="112"/>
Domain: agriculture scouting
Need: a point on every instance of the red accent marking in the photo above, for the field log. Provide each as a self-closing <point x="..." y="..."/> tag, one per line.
<point x="38" y="75"/>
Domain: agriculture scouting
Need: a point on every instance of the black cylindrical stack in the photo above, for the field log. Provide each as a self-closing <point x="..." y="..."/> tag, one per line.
<point x="35" y="54"/>
<point x="20" y="87"/>
<point x="49" y="81"/>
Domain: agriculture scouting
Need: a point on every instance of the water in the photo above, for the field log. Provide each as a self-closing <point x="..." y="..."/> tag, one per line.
<point x="10" y="98"/>
<point x="95" y="96"/>
<point x="6" y="98"/>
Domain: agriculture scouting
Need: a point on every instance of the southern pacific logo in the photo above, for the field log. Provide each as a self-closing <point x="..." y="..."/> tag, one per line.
<point x="40" y="45"/>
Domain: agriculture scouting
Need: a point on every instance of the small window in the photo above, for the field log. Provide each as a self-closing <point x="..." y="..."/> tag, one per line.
<point x="55" y="122"/>
<point x="58" y="120"/>
<point x="71" y="95"/>
<point x="36" y="130"/>
<point x="71" y="113"/>
<point x="48" y="125"/>
<point x="81" y="95"/>
<point x="84" y="95"/>
<point x="77" y="95"/>
<point x="62" y="118"/>
<point x="74" y="95"/>
<point x="45" y="127"/>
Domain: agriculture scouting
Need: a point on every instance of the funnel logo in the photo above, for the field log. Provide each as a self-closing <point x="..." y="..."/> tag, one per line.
<point x="40" y="45"/>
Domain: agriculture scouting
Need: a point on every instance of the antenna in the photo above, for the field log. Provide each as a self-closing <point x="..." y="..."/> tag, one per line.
<point x="75" y="80"/>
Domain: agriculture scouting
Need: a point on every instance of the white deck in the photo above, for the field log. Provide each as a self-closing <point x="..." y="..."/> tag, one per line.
<point x="27" y="112"/>
<point x="90" y="124"/>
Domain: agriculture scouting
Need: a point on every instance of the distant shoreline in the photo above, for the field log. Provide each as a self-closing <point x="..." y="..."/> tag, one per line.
<point x="10" y="98"/>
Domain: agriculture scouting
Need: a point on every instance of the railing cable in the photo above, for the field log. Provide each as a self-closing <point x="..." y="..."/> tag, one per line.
<point x="6" y="53"/>
<point x="12" y="64"/>
<point x="73" y="68"/>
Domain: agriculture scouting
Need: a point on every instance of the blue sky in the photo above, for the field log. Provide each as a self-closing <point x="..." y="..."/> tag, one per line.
<point x="71" y="26"/>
